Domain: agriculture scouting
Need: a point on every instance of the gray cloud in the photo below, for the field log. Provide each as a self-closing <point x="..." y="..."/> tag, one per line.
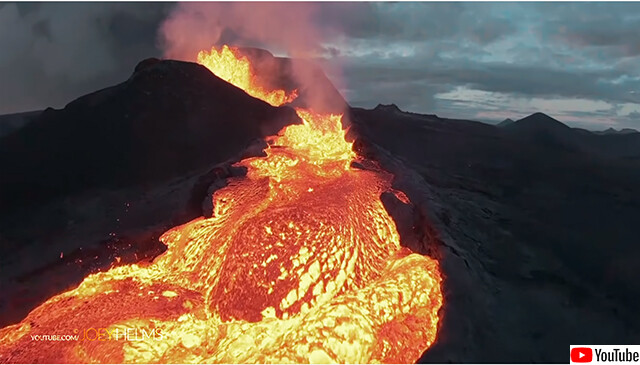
<point x="55" y="52"/>
<point x="415" y="21"/>
<point x="406" y="53"/>
<point x="610" y="25"/>
<point x="581" y="51"/>
<point x="532" y="81"/>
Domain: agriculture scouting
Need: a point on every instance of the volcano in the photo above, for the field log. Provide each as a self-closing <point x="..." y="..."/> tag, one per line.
<point x="298" y="261"/>
<point x="181" y="217"/>
<point x="128" y="134"/>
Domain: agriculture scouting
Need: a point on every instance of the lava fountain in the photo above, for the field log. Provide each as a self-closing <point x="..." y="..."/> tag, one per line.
<point x="299" y="263"/>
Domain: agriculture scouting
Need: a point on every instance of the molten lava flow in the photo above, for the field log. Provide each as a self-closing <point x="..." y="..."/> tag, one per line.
<point x="300" y="262"/>
<point x="236" y="69"/>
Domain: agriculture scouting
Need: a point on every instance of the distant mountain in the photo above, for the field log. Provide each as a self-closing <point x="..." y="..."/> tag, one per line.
<point x="393" y="108"/>
<point x="607" y="131"/>
<point x="610" y="131"/>
<point x="543" y="129"/>
<point x="628" y="130"/>
<point x="505" y="122"/>
<point x="537" y="122"/>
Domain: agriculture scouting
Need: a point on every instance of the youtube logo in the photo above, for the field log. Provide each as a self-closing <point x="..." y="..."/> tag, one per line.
<point x="605" y="354"/>
<point x="581" y="354"/>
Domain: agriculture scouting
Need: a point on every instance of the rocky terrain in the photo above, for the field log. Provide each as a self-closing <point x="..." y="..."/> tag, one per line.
<point x="540" y="249"/>
<point x="534" y="222"/>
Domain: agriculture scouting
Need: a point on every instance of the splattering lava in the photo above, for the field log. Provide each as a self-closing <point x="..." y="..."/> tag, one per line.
<point x="299" y="263"/>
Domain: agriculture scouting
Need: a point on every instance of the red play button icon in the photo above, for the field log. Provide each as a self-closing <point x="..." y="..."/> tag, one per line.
<point x="581" y="354"/>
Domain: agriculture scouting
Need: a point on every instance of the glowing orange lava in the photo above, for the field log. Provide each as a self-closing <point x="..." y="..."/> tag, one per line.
<point x="229" y="65"/>
<point x="299" y="263"/>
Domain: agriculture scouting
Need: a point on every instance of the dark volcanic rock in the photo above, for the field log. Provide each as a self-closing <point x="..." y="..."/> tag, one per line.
<point x="537" y="242"/>
<point x="12" y="122"/>
<point x="146" y="63"/>
<point x="169" y="118"/>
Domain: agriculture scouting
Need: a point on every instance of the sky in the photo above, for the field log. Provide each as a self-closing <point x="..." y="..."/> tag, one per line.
<point x="578" y="62"/>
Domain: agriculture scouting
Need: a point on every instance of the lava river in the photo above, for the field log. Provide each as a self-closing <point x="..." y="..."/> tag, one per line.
<point x="300" y="262"/>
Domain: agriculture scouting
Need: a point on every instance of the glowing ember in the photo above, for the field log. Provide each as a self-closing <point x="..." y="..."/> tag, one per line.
<point x="300" y="262"/>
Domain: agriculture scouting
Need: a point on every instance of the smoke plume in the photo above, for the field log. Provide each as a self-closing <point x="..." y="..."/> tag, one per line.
<point x="291" y="29"/>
